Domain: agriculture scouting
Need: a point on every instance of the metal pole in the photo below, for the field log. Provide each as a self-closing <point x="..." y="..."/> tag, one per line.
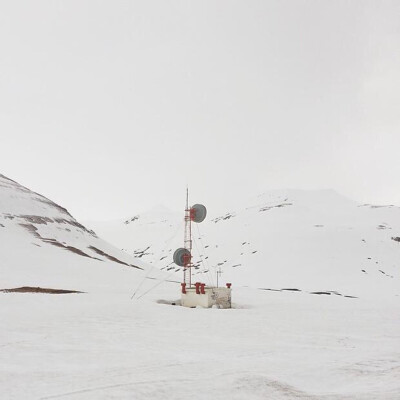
<point x="219" y="272"/>
<point x="190" y="249"/>
<point x="187" y="267"/>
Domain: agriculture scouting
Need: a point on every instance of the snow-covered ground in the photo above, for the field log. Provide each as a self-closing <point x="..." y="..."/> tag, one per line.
<point x="274" y="344"/>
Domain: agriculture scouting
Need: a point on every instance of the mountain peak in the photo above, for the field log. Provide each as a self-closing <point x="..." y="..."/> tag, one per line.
<point x="16" y="199"/>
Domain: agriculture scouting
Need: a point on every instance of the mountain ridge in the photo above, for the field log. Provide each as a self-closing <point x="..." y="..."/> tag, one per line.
<point x="42" y="244"/>
<point x="316" y="241"/>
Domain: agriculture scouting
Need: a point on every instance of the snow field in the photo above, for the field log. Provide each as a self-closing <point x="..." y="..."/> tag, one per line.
<point x="278" y="345"/>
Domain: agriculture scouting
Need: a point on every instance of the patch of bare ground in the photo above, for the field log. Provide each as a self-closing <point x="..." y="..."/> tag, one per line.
<point x="34" y="231"/>
<point x="38" y="220"/>
<point x="111" y="258"/>
<point x="30" y="289"/>
<point x="69" y="248"/>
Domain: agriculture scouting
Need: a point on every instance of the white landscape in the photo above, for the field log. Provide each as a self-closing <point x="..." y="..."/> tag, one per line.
<point x="273" y="344"/>
<point x="123" y="123"/>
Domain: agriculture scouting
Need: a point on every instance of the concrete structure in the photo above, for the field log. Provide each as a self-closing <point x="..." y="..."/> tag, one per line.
<point x="206" y="297"/>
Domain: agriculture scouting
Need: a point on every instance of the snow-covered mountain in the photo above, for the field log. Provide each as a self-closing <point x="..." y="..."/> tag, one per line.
<point x="43" y="245"/>
<point x="318" y="242"/>
<point x="282" y="344"/>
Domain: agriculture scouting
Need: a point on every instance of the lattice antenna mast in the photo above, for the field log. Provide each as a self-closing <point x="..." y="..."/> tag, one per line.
<point x="187" y="258"/>
<point x="183" y="256"/>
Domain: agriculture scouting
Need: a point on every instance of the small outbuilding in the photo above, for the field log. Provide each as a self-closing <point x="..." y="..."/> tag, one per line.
<point x="202" y="296"/>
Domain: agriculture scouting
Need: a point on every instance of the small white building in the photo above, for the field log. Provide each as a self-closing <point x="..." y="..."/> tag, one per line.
<point x="206" y="297"/>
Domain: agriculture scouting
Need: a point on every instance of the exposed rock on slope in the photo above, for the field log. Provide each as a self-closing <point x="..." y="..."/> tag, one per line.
<point x="41" y="242"/>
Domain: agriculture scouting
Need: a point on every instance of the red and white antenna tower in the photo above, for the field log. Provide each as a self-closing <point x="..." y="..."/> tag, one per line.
<point x="183" y="255"/>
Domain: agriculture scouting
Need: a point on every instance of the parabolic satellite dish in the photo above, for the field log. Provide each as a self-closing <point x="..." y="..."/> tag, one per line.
<point x="180" y="255"/>
<point x="198" y="213"/>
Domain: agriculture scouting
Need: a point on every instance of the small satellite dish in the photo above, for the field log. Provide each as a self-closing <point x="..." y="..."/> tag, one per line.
<point x="180" y="255"/>
<point x="198" y="213"/>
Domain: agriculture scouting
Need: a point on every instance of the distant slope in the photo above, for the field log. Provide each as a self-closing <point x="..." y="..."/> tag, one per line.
<point x="318" y="242"/>
<point x="43" y="245"/>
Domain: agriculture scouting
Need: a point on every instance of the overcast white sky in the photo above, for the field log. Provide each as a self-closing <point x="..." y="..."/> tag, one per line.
<point x="111" y="107"/>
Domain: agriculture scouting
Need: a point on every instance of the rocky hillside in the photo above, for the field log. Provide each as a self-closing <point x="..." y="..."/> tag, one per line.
<point x="43" y="245"/>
